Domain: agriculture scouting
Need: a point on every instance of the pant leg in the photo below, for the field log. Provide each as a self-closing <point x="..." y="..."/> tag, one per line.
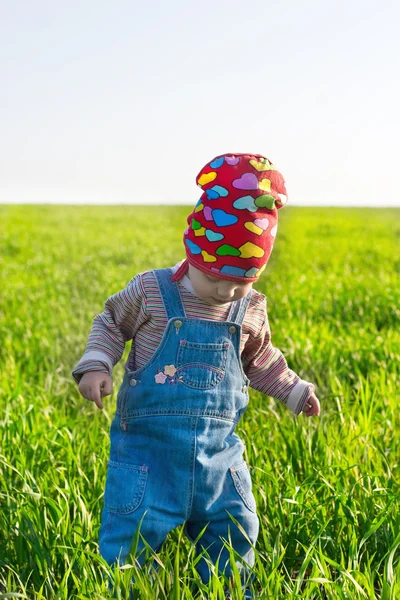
<point x="133" y="508"/>
<point x="212" y="541"/>
<point x="147" y="485"/>
<point x="222" y="493"/>
<point x="118" y="532"/>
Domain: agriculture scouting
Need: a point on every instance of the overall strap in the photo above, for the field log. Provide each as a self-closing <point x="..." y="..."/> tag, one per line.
<point x="238" y="309"/>
<point x="169" y="293"/>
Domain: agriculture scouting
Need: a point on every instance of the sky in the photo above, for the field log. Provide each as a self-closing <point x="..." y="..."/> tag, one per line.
<point x="124" y="102"/>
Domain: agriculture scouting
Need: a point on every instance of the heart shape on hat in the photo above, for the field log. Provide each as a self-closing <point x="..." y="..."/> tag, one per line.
<point x="235" y="271"/>
<point x="274" y="230"/>
<point x="222" y="218"/>
<point x="208" y="213"/>
<point x="250" y="250"/>
<point x="262" y="165"/>
<point x="248" y="181"/>
<point x="265" y="201"/>
<point x="227" y="250"/>
<point x="195" y="224"/>
<point x="206" y="178"/>
<point x="253" y="228"/>
<point x="245" y="202"/>
<point x="199" y="208"/>
<point x="194" y="248"/>
<point x="232" y="160"/>
<point x="252" y="272"/>
<point x="216" y="191"/>
<point x="217" y="162"/>
<point x="263" y="223"/>
<point x="212" y="236"/>
<point x="264" y="185"/>
<point x="208" y="257"/>
<point x="200" y="232"/>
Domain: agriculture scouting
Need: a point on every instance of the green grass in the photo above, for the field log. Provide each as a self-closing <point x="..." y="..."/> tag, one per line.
<point x="327" y="489"/>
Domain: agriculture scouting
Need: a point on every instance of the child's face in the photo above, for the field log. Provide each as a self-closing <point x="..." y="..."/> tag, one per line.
<point x="215" y="290"/>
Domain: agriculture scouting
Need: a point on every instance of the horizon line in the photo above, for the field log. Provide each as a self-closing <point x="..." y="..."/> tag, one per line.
<point x="75" y="204"/>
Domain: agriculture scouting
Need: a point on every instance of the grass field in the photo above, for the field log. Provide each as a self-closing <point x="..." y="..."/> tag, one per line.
<point x="327" y="489"/>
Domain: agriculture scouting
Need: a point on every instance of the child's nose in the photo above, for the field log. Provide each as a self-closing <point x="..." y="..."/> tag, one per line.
<point x="226" y="290"/>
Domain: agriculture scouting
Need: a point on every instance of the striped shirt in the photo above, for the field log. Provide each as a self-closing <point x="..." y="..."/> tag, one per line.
<point x="137" y="313"/>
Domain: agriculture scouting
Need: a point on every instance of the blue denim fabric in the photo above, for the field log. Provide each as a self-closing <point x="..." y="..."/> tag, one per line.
<point x="175" y="457"/>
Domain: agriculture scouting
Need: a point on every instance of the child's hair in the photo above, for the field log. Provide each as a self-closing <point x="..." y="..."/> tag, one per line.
<point x="232" y="229"/>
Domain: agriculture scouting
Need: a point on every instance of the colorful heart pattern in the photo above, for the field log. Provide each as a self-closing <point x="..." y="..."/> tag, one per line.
<point x="250" y="250"/>
<point x="212" y="236"/>
<point x="264" y="185"/>
<point x="214" y="214"/>
<point x="245" y="203"/>
<point x="207" y="178"/>
<point x="248" y="181"/>
<point x="217" y="163"/>
<point x="232" y="160"/>
<point x="208" y="213"/>
<point x="194" y="248"/>
<point x="253" y="228"/>
<point x="217" y="191"/>
<point x="262" y="223"/>
<point x="252" y="272"/>
<point x="222" y="218"/>
<point x="231" y="270"/>
<point x="227" y="250"/>
<point x="265" y="201"/>
<point x="200" y="232"/>
<point x="195" y="224"/>
<point x="262" y="165"/>
<point x="208" y="257"/>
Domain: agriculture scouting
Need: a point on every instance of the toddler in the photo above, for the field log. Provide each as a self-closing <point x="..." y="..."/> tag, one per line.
<point x="201" y="338"/>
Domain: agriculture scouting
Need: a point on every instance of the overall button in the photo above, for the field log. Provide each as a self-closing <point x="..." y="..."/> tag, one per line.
<point x="178" y="324"/>
<point x="244" y="389"/>
<point x="132" y="382"/>
<point x="232" y="329"/>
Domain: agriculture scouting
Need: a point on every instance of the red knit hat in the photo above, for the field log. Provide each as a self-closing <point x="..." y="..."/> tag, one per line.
<point x="233" y="226"/>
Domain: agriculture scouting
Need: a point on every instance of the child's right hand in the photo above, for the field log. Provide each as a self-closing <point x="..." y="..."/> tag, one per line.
<point x="94" y="385"/>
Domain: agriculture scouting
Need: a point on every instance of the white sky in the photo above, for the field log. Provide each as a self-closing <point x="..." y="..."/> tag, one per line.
<point x="125" y="101"/>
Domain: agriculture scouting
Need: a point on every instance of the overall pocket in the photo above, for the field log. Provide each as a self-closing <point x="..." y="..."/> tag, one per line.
<point x="201" y="366"/>
<point x="125" y="487"/>
<point x="242" y="482"/>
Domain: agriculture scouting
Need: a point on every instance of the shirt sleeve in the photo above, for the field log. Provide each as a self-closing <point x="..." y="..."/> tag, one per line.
<point x="123" y="314"/>
<point x="268" y="372"/>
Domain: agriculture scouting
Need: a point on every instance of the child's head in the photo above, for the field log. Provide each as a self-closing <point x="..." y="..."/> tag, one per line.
<point x="232" y="229"/>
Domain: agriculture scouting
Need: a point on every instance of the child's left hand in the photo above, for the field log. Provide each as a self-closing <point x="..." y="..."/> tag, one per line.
<point x="311" y="407"/>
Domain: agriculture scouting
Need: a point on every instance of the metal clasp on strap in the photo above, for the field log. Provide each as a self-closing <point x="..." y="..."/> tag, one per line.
<point x="178" y="324"/>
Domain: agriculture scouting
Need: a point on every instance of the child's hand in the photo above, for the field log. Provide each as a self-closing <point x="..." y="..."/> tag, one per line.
<point x="94" y="385"/>
<point x="312" y="406"/>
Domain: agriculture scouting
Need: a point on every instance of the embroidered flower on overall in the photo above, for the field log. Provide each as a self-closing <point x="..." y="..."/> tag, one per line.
<point x="160" y="377"/>
<point x="170" y="370"/>
<point x="167" y="374"/>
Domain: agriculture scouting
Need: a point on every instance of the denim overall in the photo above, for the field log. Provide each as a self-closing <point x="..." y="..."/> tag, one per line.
<point x="175" y="457"/>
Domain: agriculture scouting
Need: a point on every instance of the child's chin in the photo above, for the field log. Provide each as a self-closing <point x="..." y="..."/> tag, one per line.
<point x="215" y="302"/>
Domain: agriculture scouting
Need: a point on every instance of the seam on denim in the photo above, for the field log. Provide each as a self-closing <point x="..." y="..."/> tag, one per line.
<point x="201" y="365"/>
